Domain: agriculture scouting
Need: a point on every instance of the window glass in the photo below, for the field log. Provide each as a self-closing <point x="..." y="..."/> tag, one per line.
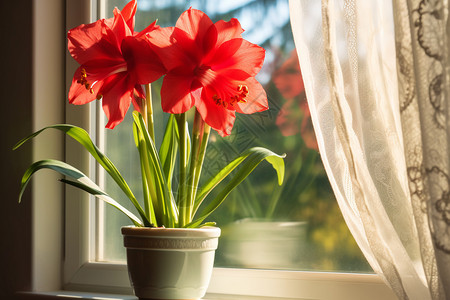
<point x="296" y="226"/>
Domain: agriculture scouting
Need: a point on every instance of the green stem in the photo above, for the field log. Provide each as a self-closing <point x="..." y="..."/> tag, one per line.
<point x="145" y="190"/>
<point x="182" y="199"/>
<point x="202" y="152"/>
<point x="193" y="166"/>
<point x="204" y="130"/>
<point x="148" y="192"/>
<point x="147" y="179"/>
<point x="148" y="113"/>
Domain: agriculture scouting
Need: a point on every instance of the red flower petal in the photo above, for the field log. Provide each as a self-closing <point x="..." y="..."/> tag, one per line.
<point x="117" y="97"/>
<point x="195" y="23"/>
<point x="174" y="48"/>
<point x="147" y="29"/>
<point x="99" y="69"/>
<point x="209" y="42"/>
<point x="176" y="94"/>
<point x="78" y="94"/>
<point x="90" y="40"/>
<point x="120" y="29"/>
<point x="238" y="54"/>
<point x="142" y="60"/>
<point x="219" y="118"/>
<point x="128" y="13"/>
<point x="256" y="99"/>
<point x="228" y="30"/>
<point x="139" y="96"/>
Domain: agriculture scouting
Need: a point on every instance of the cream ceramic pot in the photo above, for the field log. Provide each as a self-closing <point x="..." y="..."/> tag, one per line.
<point x="170" y="263"/>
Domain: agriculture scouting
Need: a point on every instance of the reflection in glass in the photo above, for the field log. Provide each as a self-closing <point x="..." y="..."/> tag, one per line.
<point x="295" y="226"/>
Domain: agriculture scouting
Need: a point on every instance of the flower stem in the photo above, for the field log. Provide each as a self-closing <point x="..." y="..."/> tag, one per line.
<point x="150" y="199"/>
<point x="202" y="152"/>
<point x="200" y="135"/>
<point x="148" y="111"/>
<point x="147" y="189"/>
<point x="182" y="199"/>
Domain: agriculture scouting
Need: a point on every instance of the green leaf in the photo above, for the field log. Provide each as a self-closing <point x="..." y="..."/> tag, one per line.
<point x="168" y="150"/>
<point x="251" y="159"/>
<point x="82" y="182"/>
<point x="167" y="203"/>
<point x="208" y="224"/>
<point x="82" y="137"/>
<point x="148" y="191"/>
<point x="215" y="180"/>
<point x="182" y="123"/>
<point x="184" y="145"/>
<point x="97" y="192"/>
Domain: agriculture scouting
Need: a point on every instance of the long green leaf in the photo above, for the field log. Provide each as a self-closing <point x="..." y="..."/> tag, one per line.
<point x="252" y="158"/>
<point x="82" y="181"/>
<point x="82" y="137"/>
<point x="106" y="198"/>
<point x="184" y="146"/>
<point x="168" y="150"/>
<point x="215" y="180"/>
<point x="170" y="213"/>
<point x="146" y="177"/>
<point x="150" y="179"/>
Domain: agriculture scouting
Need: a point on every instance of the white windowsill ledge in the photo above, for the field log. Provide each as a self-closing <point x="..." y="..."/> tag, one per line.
<point x="68" y="295"/>
<point x="248" y="284"/>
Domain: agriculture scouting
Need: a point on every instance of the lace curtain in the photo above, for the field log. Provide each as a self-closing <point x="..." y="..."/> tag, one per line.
<point x="376" y="75"/>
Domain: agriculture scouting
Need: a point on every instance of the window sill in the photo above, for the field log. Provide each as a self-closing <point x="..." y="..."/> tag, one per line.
<point x="237" y="284"/>
<point x="65" y="295"/>
<point x="262" y="286"/>
<point x="71" y="295"/>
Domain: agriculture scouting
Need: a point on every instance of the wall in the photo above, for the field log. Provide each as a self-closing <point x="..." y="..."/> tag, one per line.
<point x="32" y="91"/>
<point x="15" y="122"/>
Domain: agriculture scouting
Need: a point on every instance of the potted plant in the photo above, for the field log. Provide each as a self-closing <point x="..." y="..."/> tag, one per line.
<point x="209" y="72"/>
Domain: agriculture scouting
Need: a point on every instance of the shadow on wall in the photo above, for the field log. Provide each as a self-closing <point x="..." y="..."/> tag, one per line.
<point x="16" y="121"/>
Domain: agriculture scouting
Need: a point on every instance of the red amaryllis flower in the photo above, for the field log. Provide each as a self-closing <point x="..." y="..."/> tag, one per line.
<point x="289" y="81"/>
<point x="212" y="67"/>
<point x="288" y="78"/>
<point x="114" y="62"/>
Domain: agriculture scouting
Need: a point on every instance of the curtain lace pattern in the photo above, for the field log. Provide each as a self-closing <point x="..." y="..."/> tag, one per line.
<point x="377" y="83"/>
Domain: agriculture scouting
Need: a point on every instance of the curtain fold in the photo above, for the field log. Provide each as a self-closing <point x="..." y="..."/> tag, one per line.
<point x="376" y="80"/>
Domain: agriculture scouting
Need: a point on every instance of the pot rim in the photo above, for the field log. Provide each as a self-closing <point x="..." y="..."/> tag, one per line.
<point x="207" y="231"/>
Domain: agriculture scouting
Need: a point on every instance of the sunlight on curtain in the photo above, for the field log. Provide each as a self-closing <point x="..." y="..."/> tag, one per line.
<point x="377" y="102"/>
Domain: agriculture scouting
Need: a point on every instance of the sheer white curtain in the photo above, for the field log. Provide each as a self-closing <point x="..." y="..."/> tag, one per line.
<point x="376" y="75"/>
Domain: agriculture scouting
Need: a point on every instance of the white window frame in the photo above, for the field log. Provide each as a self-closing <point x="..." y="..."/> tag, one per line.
<point x="77" y="251"/>
<point x="47" y="193"/>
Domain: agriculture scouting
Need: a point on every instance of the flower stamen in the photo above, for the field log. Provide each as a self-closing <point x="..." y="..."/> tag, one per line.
<point x="219" y="101"/>
<point x="243" y="90"/>
<point x="240" y="97"/>
<point x="83" y="81"/>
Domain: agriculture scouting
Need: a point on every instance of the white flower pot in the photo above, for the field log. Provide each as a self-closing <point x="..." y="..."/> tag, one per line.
<point x="170" y="263"/>
<point x="254" y="243"/>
